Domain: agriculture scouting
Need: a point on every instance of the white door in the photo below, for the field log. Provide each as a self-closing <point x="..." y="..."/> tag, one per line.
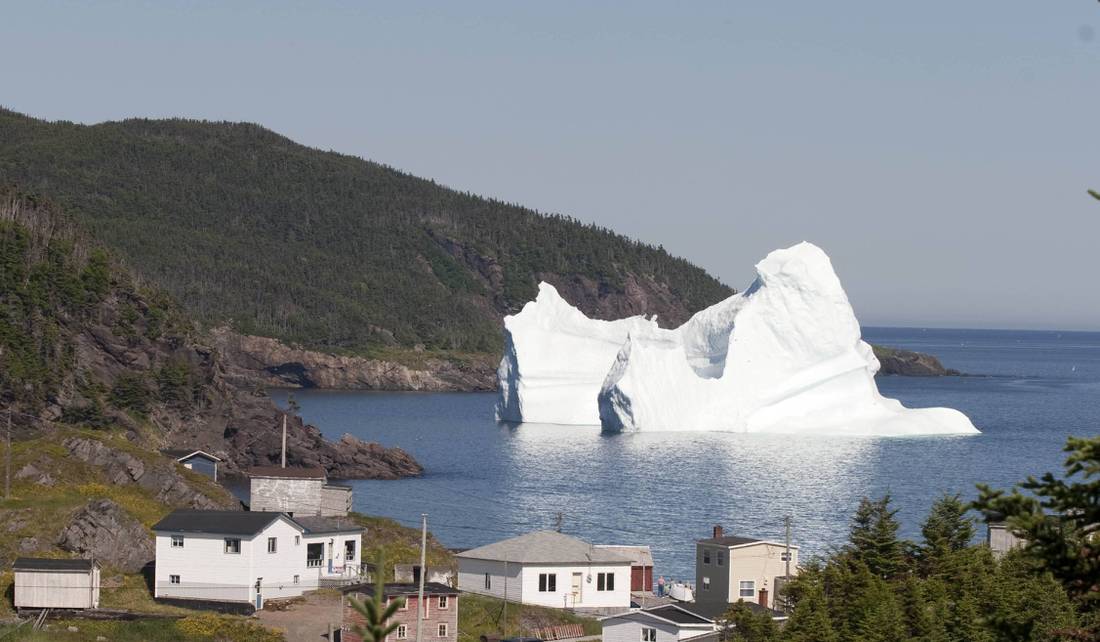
<point x="578" y="583"/>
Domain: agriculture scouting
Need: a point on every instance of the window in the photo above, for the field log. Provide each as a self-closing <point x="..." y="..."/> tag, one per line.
<point x="720" y="558"/>
<point x="442" y="601"/>
<point x="488" y="582"/>
<point x="349" y="549"/>
<point x="649" y="634"/>
<point x="605" y="581"/>
<point x="315" y="555"/>
<point x="173" y="579"/>
<point x="297" y="540"/>
<point x="233" y="545"/>
<point x="297" y="579"/>
<point x="548" y="582"/>
<point x="403" y="602"/>
<point x="706" y="556"/>
<point x="706" y="583"/>
<point x="748" y="588"/>
<point x="272" y="545"/>
<point x="442" y="630"/>
<point x="177" y="541"/>
<point x="402" y="632"/>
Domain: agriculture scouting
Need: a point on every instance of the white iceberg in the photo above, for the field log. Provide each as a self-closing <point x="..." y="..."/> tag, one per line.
<point x="785" y="355"/>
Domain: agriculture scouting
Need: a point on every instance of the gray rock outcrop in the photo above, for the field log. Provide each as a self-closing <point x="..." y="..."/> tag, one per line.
<point x="122" y="468"/>
<point x="102" y="530"/>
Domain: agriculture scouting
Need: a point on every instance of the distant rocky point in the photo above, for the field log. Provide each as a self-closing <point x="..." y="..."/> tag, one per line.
<point x="906" y="363"/>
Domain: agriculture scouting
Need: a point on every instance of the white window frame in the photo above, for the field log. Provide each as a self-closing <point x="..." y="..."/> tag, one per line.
<point x="443" y="602"/>
<point x="751" y="588"/>
<point x="706" y="583"/>
<point x="174" y="579"/>
<point x="236" y="543"/>
<point x="297" y="579"/>
<point x="297" y="540"/>
<point x="442" y="629"/>
<point x="272" y="545"/>
<point x="402" y="632"/>
<point x="649" y="634"/>
<point x="488" y="582"/>
<point x="177" y="541"/>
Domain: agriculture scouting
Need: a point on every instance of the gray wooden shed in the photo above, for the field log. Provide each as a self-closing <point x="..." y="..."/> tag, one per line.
<point x="56" y="584"/>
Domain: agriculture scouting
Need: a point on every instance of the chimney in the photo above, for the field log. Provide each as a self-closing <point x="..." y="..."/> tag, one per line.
<point x="717" y="531"/>
<point x="764" y="597"/>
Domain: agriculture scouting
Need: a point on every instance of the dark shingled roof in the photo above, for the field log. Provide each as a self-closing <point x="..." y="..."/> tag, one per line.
<point x="730" y="540"/>
<point x="317" y="525"/>
<point x="391" y="590"/>
<point x="43" y="564"/>
<point x="677" y="614"/>
<point x="295" y="473"/>
<point x="228" y="522"/>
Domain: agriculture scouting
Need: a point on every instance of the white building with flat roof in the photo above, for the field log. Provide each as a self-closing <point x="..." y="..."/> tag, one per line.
<point x="547" y="568"/>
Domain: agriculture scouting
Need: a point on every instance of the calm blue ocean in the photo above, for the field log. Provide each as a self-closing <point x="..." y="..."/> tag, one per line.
<point x="1027" y="393"/>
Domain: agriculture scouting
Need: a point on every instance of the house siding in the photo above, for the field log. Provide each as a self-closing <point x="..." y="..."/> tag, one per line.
<point x="628" y="628"/>
<point x="296" y="496"/>
<point x="471" y="578"/>
<point x="57" y="589"/>
<point x="433" y="617"/>
<point x="335" y="501"/>
<point x="589" y="597"/>
<point x="207" y="572"/>
<point x="760" y="563"/>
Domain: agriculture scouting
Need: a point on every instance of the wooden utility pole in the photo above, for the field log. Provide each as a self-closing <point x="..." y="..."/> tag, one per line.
<point x="284" y="441"/>
<point x="7" y="459"/>
<point x="423" y="572"/>
<point x="787" y="554"/>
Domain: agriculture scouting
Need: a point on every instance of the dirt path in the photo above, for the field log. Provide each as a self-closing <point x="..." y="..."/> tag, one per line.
<point x="306" y="621"/>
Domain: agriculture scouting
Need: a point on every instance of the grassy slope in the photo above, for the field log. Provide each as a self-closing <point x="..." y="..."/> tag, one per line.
<point x="480" y="615"/>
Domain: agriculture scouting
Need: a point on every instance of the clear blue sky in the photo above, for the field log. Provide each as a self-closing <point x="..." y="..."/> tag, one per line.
<point x="939" y="150"/>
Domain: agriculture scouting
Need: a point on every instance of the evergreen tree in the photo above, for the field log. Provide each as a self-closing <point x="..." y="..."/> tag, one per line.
<point x="741" y="624"/>
<point x="810" y="621"/>
<point x="1059" y="520"/>
<point x="946" y="530"/>
<point x="873" y="537"/>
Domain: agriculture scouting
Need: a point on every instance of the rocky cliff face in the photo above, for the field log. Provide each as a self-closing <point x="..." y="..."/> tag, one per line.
<point x="250" y="360"/>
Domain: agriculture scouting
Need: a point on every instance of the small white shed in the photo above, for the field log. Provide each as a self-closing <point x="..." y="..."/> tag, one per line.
<point x="56" y="584"/>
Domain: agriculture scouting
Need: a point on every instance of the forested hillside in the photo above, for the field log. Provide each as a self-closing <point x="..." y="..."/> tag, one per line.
<point x="245" y="226"/>
<point x="84" y="345"/>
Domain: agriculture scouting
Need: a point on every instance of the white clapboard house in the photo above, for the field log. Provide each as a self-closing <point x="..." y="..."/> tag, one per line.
<point x="249" y="557"/>
<point x="667" y="623"/>
<point x="548" y="568"/>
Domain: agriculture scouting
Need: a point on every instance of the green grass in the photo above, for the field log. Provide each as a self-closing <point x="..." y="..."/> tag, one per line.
<point x="398" y="544"/>
<point x="480" y="615"/>
<point x="196" y="628"/>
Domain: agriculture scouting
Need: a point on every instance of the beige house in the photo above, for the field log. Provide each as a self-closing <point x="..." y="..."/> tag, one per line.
<point x="729" y="568"/>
